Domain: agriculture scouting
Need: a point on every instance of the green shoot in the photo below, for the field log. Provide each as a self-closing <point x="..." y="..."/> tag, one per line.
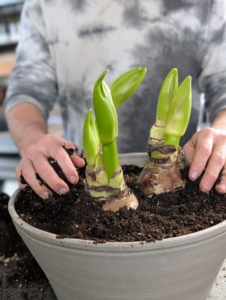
<point x="104" y="175"/>
<point x="121" y="89"/>
<point x="126" y="84"/>
<point x="91" y="141"/>
<point x="168" y="89"/>
<point x="162" y="172"/>
<point x="178" y="114"/>
<point x="107" y="123"/>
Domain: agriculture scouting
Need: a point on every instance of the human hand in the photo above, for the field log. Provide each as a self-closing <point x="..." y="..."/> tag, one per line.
<point x="35" y="160"/>
<point x="207" y="151"/>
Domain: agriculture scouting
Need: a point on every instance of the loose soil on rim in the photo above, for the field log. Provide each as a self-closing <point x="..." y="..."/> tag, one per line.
<point x="77" y="215"/>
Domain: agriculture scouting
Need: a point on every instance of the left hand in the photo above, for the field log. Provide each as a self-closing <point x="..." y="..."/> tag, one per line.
<point x="206" y="151"/>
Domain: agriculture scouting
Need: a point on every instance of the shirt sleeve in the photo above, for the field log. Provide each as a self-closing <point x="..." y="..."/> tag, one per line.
<point x="212" y="80"/>
<point x="33" y="79"/>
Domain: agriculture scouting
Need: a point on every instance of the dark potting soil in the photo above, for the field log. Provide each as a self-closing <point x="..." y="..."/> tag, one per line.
<point x="20" y="275"/>
<point x="77" y="215"/>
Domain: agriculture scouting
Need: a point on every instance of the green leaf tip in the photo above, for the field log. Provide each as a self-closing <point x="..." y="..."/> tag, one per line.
<point x="126" y="84"/>
<point x="167" y="91"/>
<point x="107" y="123"/>
<point x="105" y="112"/>
<point x="91" y="141"/>
<point x="179" y="113"/>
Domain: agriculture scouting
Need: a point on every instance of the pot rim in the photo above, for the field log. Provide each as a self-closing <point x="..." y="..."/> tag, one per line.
<point x="197" y="237"/>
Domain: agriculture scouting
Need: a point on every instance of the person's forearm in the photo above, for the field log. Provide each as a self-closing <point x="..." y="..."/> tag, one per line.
<point x="26" y="125"/>
<point x="219" y="121"/>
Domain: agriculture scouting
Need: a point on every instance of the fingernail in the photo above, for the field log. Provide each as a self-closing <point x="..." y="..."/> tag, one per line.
<point x="206" y="185"/>
<point x="63" y="191"/>
<point x="194" y="175"/>
<point x="73" y="179"/>
<point x="46" y="195"/>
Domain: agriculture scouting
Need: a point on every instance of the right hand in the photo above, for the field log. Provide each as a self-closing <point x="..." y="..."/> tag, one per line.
<point x="35" y="160"/>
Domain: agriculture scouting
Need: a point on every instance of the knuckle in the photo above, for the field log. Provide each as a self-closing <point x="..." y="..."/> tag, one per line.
<point x="206" y="149"/>
<point x="218" y="158"/>
<point x="52" y="180"/>
<point x="208" y="132"/>
<point x="47" y="138"/>
<point x="70" y="145"/>
<point x="27" y="173"/>
<point x="39" y="146"/>
<point x="61" y="154"/>
<point x="32" y="148"/>
<point x="212" y="177"/>
<point x="43" y="169"/>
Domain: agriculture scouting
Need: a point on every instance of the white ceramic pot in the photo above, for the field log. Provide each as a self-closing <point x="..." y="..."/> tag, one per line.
<point x="181" y="268"/>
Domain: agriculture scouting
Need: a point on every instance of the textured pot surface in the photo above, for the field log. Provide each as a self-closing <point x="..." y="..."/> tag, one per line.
<point x="182" y="268"/>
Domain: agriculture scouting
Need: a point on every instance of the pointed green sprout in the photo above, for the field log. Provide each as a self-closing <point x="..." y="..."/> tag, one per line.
<point x="168" y="89"/>
<point x="104" y="129"/>
<point x="107" y="123"/>
<point x="178" y="114"/>
<point x="91" y="141"/>
<point x="126" y="84"/>
<point x="162" y="173"/>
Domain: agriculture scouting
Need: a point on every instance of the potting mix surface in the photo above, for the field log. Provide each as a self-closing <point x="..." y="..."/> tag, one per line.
<point x="76" y="215"/>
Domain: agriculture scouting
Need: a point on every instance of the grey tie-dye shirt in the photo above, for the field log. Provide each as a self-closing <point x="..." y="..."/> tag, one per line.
<point x="66" y="44"/>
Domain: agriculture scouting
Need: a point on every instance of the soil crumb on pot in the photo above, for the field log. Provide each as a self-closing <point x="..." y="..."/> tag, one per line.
<point x="77" y="215"/>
